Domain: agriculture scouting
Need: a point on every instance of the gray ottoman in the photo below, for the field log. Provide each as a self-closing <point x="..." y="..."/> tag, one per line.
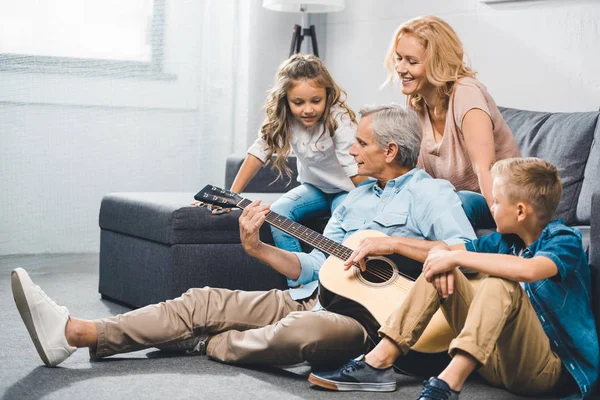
<point x="155" y="246"/>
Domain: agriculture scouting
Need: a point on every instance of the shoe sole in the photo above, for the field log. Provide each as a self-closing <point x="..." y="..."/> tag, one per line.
<point x="23" y="307"/>
<point x="349" y="386"/>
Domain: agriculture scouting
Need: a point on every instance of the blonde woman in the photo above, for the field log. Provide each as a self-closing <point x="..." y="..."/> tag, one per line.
<point x="463" y="130"/>
<point x="306" y="113"/>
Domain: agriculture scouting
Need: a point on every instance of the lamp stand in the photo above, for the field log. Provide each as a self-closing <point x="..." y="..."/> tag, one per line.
<point x="298" y="35"/>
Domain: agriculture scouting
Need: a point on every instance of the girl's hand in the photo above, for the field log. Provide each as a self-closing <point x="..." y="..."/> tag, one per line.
<point x="438" y="262"/>
<point x="216" y="210"/>
<point x="376" y="246"/>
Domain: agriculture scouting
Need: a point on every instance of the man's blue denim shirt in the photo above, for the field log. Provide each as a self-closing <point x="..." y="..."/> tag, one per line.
<point x="413" y="205"/>
<point x="563" y="302"/>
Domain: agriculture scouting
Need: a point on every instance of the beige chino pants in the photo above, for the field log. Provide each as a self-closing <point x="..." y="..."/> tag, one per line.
<point x="496" y="324"/>
<point x="244" y="327"/>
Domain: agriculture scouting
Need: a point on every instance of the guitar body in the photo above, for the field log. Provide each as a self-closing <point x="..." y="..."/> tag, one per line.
<point x="368" y="297"/>
<point x="371" y="297"/>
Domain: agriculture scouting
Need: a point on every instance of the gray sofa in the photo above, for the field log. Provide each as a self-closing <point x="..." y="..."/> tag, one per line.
<point x="154" y="246"/>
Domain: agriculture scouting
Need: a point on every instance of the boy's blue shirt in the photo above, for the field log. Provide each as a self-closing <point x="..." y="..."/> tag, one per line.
<point x="563" y="302"/>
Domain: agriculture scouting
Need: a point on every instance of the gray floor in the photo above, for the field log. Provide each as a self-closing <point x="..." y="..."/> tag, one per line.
<point x="72" y="280"/>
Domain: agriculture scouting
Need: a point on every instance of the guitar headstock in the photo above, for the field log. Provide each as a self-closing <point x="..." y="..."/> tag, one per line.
<point x="219" y="197"/>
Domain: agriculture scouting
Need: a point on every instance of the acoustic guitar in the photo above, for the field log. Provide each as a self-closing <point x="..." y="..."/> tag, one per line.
<point x="370" y="296"/>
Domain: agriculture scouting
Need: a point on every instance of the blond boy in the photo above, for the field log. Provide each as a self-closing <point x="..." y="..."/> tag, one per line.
<point x="528" y="327"/>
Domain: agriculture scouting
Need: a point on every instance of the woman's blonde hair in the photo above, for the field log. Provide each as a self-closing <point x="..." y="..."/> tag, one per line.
<point x="444" y="57"/>
<point x="276" y="127"/>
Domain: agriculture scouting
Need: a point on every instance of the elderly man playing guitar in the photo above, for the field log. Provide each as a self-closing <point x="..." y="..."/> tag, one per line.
<point x="394" y="212"/>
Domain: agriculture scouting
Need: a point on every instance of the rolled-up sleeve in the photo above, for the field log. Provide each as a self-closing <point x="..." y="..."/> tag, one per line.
<point x="259" y="149"/>
<point x="468" y="96"/>
<point x="565" y="250"/>
<point x="491" y="243"/>
<point x="343" y="139"/>
<point x="310" y="263"/>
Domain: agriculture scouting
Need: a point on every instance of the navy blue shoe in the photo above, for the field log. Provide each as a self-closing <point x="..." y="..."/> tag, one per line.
<point x="356" y="375"/>
<point x="437" y="389"/>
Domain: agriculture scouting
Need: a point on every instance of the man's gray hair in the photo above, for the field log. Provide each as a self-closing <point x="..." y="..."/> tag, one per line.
<point x="395" y="123"/>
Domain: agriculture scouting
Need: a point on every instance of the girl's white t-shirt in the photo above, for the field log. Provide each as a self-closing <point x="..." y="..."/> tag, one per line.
<point x="323" y="161"/>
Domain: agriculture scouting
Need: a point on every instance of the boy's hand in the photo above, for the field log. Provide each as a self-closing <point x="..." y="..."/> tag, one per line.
<point x="376" y="246"/>
<point x="444" y="284"/>
<point x="438" y="262"/>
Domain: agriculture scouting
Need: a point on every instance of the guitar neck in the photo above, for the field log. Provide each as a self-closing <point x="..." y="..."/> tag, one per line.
<point x="304" y="234"/>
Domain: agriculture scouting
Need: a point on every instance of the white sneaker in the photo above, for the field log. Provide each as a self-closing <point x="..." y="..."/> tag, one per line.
<point x="44" y="319"/>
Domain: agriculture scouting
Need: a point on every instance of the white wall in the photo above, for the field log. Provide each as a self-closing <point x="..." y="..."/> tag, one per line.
<point x="538" y="55"/>
<point x="269" y="46"/>
<point x="65" y="141"/>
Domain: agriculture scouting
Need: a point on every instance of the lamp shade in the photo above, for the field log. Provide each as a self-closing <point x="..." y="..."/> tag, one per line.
<point x="308" y="6"/>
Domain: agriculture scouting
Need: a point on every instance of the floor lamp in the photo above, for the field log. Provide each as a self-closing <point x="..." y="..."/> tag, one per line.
<point x="304" y="7"/>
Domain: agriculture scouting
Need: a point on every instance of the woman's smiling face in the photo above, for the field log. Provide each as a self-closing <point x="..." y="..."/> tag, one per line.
<point x="410" y="65"/>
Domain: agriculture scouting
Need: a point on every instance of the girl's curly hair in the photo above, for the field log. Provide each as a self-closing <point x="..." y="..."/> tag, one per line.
<point x="275" y="129"/>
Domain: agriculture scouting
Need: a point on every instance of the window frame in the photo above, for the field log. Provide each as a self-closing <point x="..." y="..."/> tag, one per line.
<point x="153" y="69"/>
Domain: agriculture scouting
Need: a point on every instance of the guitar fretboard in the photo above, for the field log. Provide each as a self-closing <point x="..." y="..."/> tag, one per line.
<point x="303" y="233"/>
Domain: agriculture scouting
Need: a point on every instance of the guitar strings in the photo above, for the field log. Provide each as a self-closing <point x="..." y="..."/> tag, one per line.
<point x="331" y="247"/>
<point x="385" y="275"/>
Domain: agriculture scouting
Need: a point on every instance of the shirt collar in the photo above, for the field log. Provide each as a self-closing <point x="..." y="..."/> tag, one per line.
<point x="397" y="183"/>
<point x="519" y="246"/>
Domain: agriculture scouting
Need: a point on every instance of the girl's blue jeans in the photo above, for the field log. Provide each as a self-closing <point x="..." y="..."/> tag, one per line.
<point x="477" y="210"/>
<point x="301" y="203"/>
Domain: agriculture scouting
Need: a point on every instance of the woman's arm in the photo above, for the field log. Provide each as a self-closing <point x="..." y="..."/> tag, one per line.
<point x="248" y="170"/>
<point x="478" y="132"/>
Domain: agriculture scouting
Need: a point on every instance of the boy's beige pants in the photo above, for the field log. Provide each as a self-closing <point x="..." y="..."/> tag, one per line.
<point x="495" y="324"/>
<point x="244" y="327"/>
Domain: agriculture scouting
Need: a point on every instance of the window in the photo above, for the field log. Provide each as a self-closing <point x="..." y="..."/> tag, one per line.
<point x="96" y="37"/>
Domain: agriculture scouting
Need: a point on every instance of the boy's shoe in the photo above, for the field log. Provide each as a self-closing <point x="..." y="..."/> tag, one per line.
<point x="437" y="389"/>
<point x="194" y="345"/>
<point x="44" y="319"/>
<point x="356" y="375"/>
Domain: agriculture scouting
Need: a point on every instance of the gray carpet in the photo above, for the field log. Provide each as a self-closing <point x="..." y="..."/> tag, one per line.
<point x="72" y="280"/>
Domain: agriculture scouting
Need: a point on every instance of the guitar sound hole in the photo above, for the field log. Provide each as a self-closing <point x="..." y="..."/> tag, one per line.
<point x="378" y="271"/>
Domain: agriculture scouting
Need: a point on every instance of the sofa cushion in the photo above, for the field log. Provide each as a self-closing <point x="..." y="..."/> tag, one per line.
<point x="591" y="180"/>
<point x="167" y="217"/>
<point x="265" y="181"/>
<point x="564" y="139"/>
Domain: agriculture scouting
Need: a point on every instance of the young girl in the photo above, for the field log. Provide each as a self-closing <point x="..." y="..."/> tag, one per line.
<point x="306" y="114"/>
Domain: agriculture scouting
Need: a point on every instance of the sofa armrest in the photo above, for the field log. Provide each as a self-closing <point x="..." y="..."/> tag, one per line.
<point x="594" y="255"/>
<point x="264" y="181"/>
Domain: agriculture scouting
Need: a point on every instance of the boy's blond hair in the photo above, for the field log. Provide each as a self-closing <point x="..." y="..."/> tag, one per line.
<point x="533" y="180"/>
